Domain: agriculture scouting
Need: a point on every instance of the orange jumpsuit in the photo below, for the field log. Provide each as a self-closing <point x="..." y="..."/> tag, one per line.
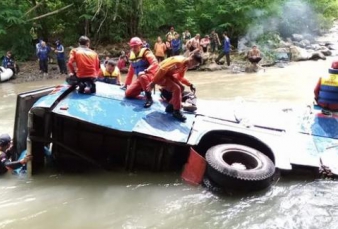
<point x="87" y="62"/>
<point x="170" y="74"/>
<point x="88" y="67"/>
<point x="140" y="84"/>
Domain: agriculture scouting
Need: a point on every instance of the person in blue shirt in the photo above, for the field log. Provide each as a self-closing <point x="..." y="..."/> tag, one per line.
<point x="60" y="56"/>
<point x="42" y="54"/>
<point x="226" y="49"/>
<point x="8" y="62"/>
<point x="176" y="45"/>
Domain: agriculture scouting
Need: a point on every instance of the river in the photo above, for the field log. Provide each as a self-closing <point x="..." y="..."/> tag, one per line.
<point x="147" y="200"/>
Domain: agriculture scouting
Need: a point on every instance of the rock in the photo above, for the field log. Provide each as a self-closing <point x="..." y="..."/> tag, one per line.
<point x="309" y="37"/>
<point x="282" y="50"/>
<point x="305" y="42"/>
<point x="328" y="43"/>
<point x="283" y="44"/>
<point x="326" y="51"/>
<point x="211" y="67"/>
<point x="297" y="37"/>
<point x="321" y="44"/>
<point x="298" y="54"/>
<point x="317" y="55"/>
<point x="333" y="47"/>
<point x="289" y="40"/>
<point x="315" y="46"/>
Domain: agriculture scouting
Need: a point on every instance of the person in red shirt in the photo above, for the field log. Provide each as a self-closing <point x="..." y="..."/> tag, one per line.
<point x="143" y="64"/>
<point x="87" y="66"/>
<point x="170" y="76"/>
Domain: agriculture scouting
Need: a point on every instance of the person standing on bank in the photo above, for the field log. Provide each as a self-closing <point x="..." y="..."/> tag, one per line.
<point x="42" y="54"/>
<point x="176" y="45"/>
<point x="87" y="64"/>
<point x="60" y="56"/>
<point x="214" y="41"/>
<point x="226" y="49"/>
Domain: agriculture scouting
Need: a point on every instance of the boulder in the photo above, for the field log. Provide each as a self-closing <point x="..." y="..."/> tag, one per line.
<point x="309" y="37"/>
<point x="284" y="44"/>
<point x="212" y="67"/>
<point x="289" y="40"/>
<point x="298" y="54"/>
<point x="317" y="55"/>
<point x="333" y="47"/>
<point x="297" y="37"/>
<point x="326" y="51"/>
<point x="305" y="42"/>
<point x="282" y="50"/>
<point x="315" y="46"/>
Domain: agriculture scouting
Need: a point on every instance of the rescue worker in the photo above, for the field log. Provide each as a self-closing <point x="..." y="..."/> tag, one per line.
<point x="170" y="76"/>
<point x="326" y="90"/>
<point x="8" y="62"/>
<point x="87" y="64"/>
<point x="110" y="73"/>
<point x="6" y="154"/>
<point x="60" y="56"/>
<point x="143" y="64"/>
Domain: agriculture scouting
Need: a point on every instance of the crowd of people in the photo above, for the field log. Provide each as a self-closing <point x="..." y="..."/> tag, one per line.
<point x="85" y="68"/>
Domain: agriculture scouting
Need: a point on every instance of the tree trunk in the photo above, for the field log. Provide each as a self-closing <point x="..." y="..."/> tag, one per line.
<point x="86" y="29"/>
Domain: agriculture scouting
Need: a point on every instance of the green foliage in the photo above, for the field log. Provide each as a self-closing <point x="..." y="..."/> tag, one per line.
<point x="113" y="21"/>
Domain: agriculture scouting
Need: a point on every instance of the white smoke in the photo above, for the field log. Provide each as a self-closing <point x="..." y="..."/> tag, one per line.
<point x="296" y="16"/>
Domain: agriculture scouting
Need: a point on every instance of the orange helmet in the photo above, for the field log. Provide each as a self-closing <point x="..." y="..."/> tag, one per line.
<point x="135" y="41"/>
<point x="334" y="64"/>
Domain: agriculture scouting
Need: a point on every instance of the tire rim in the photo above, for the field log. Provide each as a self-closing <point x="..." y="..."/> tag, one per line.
<point x="240" y="160"/>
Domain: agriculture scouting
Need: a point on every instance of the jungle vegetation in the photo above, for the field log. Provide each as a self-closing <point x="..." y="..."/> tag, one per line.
<point x="114" y="21"/>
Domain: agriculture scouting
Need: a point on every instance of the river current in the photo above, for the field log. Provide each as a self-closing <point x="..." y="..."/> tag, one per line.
<point x="101" y="199"/>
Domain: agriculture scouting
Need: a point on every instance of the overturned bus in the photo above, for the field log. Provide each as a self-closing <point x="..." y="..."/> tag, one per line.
<point x="242" y="143"/>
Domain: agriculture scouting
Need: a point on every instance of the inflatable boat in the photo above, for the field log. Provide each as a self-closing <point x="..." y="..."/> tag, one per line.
<point x="239" y="144"/>
<point x="5" y="74"/>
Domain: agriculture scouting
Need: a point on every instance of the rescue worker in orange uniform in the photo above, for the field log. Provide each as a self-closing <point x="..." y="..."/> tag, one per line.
<point x="110" y="73"/>
<point x="326" y="90"/>
<point x="170" y="76"/>
<point x="87" y="66"/>
<point x="143" y="64"/>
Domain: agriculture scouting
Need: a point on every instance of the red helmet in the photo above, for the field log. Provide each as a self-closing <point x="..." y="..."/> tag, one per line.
<point x="334" y="64"/>
<point x="135" y="41"/>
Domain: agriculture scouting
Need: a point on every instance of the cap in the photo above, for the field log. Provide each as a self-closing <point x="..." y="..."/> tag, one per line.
<point x="5" y="139"/>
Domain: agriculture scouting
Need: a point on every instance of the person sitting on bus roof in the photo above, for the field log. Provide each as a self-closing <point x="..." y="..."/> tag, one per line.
<point x="110" y="73"/>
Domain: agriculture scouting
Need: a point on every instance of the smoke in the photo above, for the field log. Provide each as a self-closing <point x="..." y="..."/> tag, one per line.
<point x="293" y="16"/>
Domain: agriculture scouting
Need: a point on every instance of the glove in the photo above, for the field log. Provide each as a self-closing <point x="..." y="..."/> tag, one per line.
<point x="192" y="88"/>
<point x="141" y="73"/>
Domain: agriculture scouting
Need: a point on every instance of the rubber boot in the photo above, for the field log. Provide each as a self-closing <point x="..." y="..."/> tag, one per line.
<point x="149" y="100"/>
<point x="179" y="116"/>
<point x="169" y="108"/>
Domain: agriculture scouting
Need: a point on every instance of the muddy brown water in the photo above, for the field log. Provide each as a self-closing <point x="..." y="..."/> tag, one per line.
<point x="147" y="200"/>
